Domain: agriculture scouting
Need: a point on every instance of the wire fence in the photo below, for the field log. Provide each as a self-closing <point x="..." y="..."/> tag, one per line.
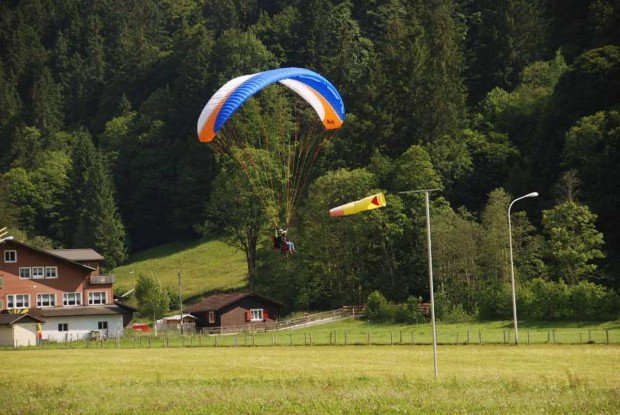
<point x="339" y="338"/>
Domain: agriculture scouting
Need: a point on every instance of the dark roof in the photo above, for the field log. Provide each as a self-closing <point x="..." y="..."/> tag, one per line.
<point x="78" y="254"/>
<point x="124" y="306"/>
<point x="10" y="319"/>
<point x="78" y="311"/>
<point x="219" y="301"/>
<point x="44" y="252"/>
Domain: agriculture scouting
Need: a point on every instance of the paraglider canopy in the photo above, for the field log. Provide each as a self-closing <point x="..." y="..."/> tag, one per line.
<point x="311" y="86"/>
<point x="277" y="158"/>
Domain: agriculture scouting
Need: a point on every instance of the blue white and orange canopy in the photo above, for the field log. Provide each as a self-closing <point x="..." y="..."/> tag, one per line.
<point x="311" y="86"/>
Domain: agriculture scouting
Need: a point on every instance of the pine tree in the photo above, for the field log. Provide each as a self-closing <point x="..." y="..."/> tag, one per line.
<point x="93" y="216"/>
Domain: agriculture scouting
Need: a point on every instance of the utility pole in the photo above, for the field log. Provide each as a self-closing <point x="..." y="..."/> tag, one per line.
<point x="181" y="301"/>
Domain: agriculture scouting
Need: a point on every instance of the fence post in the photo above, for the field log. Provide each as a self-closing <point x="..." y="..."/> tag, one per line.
<point x="548" y="336"/>
<point x="305" y="339"/>
<point x="589" y="336"/>
<point x="345" y="338"/>
<point x="401" y="337"/>
<point x="580" y="338"/>
<point x="528" y="337"/>
<point x="480" y="337"/>
<point x="310" y="339"/>
<point x="391" y="339"/>
<point x="253" y="340"/>
<point x="149" y="342"/>
<point x="504" y="336"/>
<point x="118" y="342"/>
<point x="457" y="338"/>
<point x="412" y="339"/>
<point x="467" y="336"/>
<point x="553" y="336"/>
<point x="368" y="338"/>
<point x="290" y="338"/>
<point x="607" y="335"/>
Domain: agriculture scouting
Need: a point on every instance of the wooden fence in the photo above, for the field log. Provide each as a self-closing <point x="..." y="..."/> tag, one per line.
<point x="404" y="337"/>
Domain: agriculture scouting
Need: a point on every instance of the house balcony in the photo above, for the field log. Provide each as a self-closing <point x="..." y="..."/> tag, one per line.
<point x="102" y="279"/>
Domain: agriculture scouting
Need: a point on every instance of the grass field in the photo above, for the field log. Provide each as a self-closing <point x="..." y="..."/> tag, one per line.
<point x="205" y="266"/>
<point x="313" y="380"/>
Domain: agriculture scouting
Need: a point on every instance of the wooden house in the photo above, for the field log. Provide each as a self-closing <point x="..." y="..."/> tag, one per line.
<point x="236" y="310"/>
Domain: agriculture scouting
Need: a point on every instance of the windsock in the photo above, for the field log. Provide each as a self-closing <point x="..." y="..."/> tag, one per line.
<point x="367" y="203"/>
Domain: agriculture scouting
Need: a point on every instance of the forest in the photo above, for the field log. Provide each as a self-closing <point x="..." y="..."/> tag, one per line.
<point x="486" y="100"/>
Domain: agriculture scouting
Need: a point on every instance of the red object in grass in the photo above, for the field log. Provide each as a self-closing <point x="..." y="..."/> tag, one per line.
<point x="141" y="327"/>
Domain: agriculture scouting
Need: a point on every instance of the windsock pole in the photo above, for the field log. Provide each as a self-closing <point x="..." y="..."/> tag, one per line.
<point x="430" y="270"/>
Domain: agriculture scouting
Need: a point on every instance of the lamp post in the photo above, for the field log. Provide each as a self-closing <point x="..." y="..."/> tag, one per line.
<point x="512" y="268"/>
<point x="430" y="270"/>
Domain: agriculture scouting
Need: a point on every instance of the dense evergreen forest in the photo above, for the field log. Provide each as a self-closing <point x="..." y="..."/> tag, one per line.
<point x="486" y="99"/>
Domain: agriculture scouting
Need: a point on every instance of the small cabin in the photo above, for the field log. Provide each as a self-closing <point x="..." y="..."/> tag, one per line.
<point x="236" y="311"/>
<point x="174" y="322"/>
<point x="18" y="330"/>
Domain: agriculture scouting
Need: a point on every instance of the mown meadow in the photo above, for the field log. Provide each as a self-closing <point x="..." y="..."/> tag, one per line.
<point x="304" y="380"/>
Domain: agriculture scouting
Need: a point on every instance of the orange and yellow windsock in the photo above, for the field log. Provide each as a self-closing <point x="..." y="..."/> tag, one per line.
<point x="367" y="203"/>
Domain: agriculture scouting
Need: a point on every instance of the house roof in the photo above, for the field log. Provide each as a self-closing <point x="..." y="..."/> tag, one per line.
<point x="178" y="317"/>
<point x="219" y="301"/>
<point x="44" y="252"/>
<point x="79" y="311"/>
<point x="78" y="254"/>
<point x="11" y="319"/>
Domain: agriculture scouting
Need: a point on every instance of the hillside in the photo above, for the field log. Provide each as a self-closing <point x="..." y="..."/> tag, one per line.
<point x="205" y="266"/>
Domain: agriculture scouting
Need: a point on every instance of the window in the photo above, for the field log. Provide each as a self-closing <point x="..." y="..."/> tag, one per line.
<point x="51" y="272"/>
<point x="257" y="314"/>
<point x="18" y="300"/>
<point x="46" y="300"/>
<point x="25" y="273"/>
<point x="97" y="297"/>
<point x="71" y="299"/>
<point x="10" y="256"/>
<point x="211" y="317"/>
<point x="102" y="325"/>
<point x="63" y="327"/>
<point x="38" y="273"/>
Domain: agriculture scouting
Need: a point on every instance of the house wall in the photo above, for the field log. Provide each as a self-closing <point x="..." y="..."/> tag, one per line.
<point x="81" y="326"/>
<point x="234" y="314"/>
<point x="71" y="278"/>
<point x="6" y="336"/>
<point x="25" y="334"/>
<point x="20" y="334"/>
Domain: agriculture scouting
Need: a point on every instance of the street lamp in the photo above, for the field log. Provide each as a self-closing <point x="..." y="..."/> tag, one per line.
<point x="512" y="268"/>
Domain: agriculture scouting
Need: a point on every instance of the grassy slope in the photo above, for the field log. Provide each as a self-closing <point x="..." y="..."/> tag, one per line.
<point x="304" y="380"/>
<point x="205" y="266"/>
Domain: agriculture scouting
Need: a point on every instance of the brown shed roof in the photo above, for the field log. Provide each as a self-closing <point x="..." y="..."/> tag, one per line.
<point x="219" y="301"/>
<point x="78" y="254"/>
<point x="11" y="319"/>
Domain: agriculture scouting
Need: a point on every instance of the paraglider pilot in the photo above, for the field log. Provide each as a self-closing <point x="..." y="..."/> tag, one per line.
<point x="281" y="242"/>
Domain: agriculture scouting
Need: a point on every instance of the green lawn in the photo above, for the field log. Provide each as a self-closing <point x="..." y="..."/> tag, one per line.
<point x="312" y="380"/>
<point x="205" y="266"/>
<point x="488" y="332"/>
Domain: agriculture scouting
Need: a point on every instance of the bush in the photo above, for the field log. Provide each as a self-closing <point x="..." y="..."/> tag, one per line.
<point x="542" y="300"/>
<point x="448" y="312"/>
<point x="377" y="308"/>
<point x="409" y="312"/>
<point x="495" y="302"/>
<point x="593" y="302"/>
